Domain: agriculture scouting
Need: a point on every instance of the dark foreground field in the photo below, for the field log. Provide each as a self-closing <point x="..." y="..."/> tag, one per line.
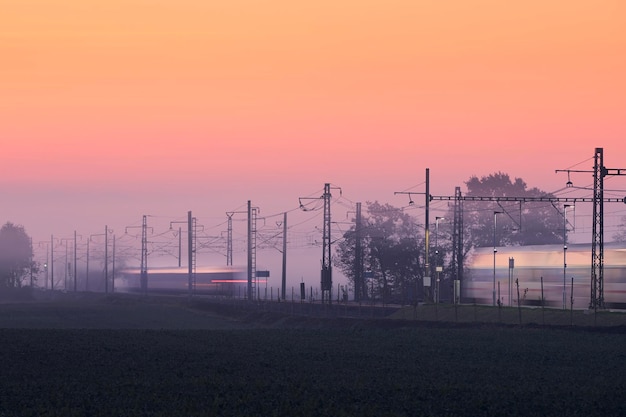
<point x="163" y="358"/>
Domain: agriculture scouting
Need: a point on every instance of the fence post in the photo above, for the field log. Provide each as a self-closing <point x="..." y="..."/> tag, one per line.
<point x="571" y="305"/>
<point x="519" y="306"/>
<point x="543" y="312"/>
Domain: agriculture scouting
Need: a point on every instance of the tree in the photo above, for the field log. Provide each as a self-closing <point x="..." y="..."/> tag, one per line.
<point x="518" y="223"/>
<point x="390" y="251"/>
<point x="15" y="256"/>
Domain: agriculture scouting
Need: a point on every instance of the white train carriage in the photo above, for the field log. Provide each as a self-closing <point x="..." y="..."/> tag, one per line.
<point x="533" y="263"/>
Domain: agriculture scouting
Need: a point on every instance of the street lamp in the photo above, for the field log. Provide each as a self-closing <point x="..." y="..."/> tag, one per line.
<point x="438" y="268"/>
<point x="565" y="206"/>
<point x="495" y="222"/>
<point x="52" y="262"/>
<point x="45" y="265"/>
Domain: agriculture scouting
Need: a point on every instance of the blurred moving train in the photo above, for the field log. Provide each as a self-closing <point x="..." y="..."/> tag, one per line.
<point x="222" y="280"/>
<point x="531" y="263"/>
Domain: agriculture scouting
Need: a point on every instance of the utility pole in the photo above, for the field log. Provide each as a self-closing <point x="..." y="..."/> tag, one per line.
<point x="251" y="258"/>
<point x="327" y="274"/>
<point x="252" y="217"/>
<point x="144" y="255"/>
<point x="66" y="268"/>
<point x="31" y="262"/>
<point x="47" y="264"/>
<point x="75" y="269"/>
<point x="427" y="273"/>
<point x="358" y="257"/>
<point x="180" y="245"/>
<point x="495" y="223"/>
<point x="52" y="262"/>
<point x="87" y="266"/>
<point x="191" y="252"/>
<point x="565" y="207"/>
<point x="457" y="245"/>
<point x="143" y="267"/>
<point x="113" y="267"/>
<point x="438" y="268"/>
<point x="229" y="240"/>
<point x="68" y="265"/>
<point x="283" y="287"/>
<point x="597" y="248"/>
<point x="427" y="231"/>
<point x="229" y="236"/>
<point x="106" y="259"/>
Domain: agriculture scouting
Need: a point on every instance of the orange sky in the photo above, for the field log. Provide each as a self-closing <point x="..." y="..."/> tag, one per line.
<point x="139" y="103"/>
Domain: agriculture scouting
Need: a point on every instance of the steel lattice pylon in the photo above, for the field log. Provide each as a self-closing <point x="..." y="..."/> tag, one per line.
<point x="597" y="246"/>
<point x="144" y="255"/>
<point x="598" y="200"/>
<point x="252" y="217"/>
<point x="327" y="275"/>
<point x="229" y="240"/>
<point x="191" y="253"/>
<point x="457" y="245"/>
<point x="359" y="284"/>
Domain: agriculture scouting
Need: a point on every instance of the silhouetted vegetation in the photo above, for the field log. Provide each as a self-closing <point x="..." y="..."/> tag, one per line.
<point x="528" y="223"/>
<point x="15" y="256"/>
<point x="390" y="250"/>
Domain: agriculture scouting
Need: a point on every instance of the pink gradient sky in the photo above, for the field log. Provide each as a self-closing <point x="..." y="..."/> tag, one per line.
<point x="114" y="109"/>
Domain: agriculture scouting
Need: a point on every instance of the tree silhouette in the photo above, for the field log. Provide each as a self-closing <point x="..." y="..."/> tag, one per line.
<point x="15" y="256"/>
<point x="518" y="223"/>
<point x="390" y="251"/>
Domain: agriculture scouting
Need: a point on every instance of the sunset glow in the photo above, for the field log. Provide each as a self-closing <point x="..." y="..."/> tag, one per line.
<point x="112" y="109"/>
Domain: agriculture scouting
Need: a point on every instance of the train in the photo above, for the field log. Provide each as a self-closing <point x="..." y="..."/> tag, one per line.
<point x="210" y="280"/>
<point x="562" y="275"/>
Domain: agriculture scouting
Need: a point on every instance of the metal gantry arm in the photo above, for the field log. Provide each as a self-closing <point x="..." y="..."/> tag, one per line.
<point x="597" y="280"/>
<point x="597" y="246"/>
